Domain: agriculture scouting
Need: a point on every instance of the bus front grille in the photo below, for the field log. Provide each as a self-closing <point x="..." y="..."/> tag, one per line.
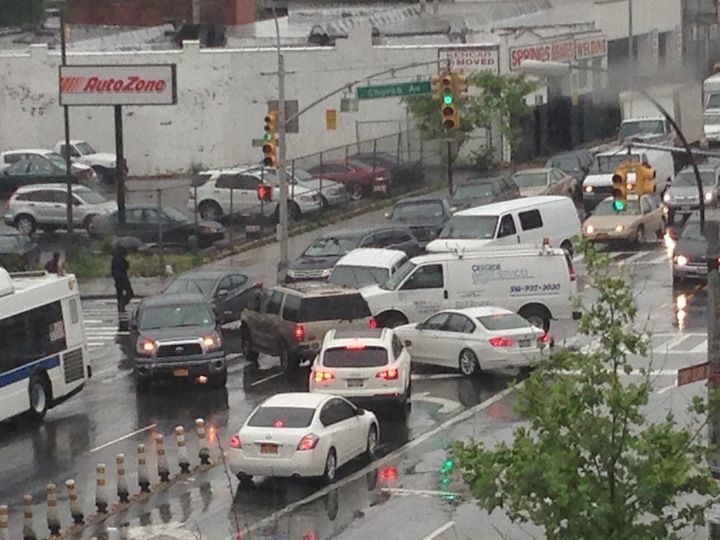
<point x="73" y="364"/>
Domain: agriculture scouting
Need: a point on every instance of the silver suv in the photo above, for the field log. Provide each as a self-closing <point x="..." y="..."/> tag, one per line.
<point x="44" y="206"/>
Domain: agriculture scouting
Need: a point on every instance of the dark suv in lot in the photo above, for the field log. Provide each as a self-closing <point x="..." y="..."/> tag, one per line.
<point x="176" y="336"/>
<point x="290" y="321"/>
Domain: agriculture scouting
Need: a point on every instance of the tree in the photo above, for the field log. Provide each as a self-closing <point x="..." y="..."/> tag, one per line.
<point x="20" y="12"/>
<point x="589" y="462"/>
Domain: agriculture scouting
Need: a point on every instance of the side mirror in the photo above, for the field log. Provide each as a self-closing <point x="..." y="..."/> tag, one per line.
<point x="223" y="293"/>
<point x="419" y="326"/>
<point x="359" y="411"/>
<point x="408" y="343"/>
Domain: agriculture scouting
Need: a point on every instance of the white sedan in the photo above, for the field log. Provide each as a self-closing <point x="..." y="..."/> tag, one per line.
<point x="474" y="339"/>
<point x="302" y="434"/>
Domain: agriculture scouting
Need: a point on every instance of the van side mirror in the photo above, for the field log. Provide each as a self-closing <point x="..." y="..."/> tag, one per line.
<point x="359" y="411"/>
<point x="408" y="343"/>
<point x="419" y="326"/>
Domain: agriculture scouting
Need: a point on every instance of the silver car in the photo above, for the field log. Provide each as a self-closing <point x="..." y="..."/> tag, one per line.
<point x="332" y="193"/>
<point x="45" y="206"/>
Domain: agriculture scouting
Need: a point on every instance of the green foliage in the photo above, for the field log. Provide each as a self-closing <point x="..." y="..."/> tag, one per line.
<point x="20" y="12"/>
<point x="589" y="462"/>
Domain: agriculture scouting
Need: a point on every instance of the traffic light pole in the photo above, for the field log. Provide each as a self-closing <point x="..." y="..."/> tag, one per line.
<point x="451" y="188"/>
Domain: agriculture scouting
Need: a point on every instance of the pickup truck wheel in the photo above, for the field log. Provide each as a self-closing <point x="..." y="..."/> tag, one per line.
<point x="249" y="353"/>
<point x="289" y="363"/>
<point x="356" y="192"/>
<point x="102" y="173"/>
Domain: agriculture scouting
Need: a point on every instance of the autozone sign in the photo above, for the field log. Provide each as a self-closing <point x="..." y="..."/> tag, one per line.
<point x="558" y="51"/>
<point x="148" y="84"/>
<point x="471" y="58"/>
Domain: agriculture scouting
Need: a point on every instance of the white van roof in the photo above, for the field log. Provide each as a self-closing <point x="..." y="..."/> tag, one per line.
<point x="371" y="257"/>
<point x="497" y="252"/>
<point x="513" y="204"/>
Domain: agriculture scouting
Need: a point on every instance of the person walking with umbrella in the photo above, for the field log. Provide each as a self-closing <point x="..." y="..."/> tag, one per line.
<point x="119" y="268"/>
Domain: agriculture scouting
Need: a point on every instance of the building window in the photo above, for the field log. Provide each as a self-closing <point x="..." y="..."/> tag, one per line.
<point x="663" y="39"/>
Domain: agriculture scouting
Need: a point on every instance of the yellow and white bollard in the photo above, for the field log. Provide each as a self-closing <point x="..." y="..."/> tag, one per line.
<point x="28" y="522"/>
<point x="101" y="502"/>
<point x="122" y="486"/>
<point x="204" y="452"/>
<point x="4" y="522"/>
<point x="75" y="507"/>
<point x="162" y="464"/>
<point x="183" y="459"/>
<point x="53" y="519"/>
<point x="143" y="475"/>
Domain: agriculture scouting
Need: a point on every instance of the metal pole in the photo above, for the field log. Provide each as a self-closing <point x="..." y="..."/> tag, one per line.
<point x="449" y="167"/>
<point x="631" y="56"/>
<point x="713" y="315"/>
<point x="66" y="117"/>
<point x="161" y="245"/>
<point x="231" y="220"/>
<point x="120" y="166"/>
<point x="282" y="179"/>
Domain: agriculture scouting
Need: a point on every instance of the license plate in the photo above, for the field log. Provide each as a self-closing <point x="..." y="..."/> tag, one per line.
<point x="268" y="449"/>
<point x="181" y="372"/>
<point x="381" y="188"/>
<point x="524" y="343"/>
<point x="354" y="383"/>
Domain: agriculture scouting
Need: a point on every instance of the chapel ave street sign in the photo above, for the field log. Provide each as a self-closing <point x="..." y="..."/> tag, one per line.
<point x="417" y="88"/>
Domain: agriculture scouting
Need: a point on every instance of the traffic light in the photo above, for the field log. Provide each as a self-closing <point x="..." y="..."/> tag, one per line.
<point x="436" y="87"/>
<point x="270" y="144"/>
<point x="264" y="192"/>
<point x="460" y="86"/>
<point x="450" y="117"/>
<point x="619" y="192"/>
<point x="644" y="179"/>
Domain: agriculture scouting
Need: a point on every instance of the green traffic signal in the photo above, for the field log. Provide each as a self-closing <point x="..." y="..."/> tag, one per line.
<point x="618" y="205"/>
<point x="447" y="99"/>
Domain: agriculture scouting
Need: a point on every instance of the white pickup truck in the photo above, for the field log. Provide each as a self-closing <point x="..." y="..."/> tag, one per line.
<point x="82" y="152"/>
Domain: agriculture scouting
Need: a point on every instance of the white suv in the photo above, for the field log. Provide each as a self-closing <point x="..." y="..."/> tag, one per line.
<point x="214" y="188"/>
<point x="369" y="365"/>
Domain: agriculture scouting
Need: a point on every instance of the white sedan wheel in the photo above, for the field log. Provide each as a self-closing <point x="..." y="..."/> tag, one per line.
<point x="468" y="363"/>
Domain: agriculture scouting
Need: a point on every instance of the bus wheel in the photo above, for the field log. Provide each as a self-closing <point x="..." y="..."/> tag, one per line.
<point x="39" y="397"/>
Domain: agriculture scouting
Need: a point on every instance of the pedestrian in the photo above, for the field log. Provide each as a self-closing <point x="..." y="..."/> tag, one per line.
<point x="55" y="265"/>
<point x="119" y="268"/>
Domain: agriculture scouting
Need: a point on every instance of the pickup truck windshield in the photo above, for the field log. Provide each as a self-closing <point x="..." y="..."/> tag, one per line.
<point x="85" y="149"/>
<point x="641" y="127"/>
<point x="608" y="164"/>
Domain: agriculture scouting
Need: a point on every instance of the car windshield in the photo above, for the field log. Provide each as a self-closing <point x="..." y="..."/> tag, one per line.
<point x="331" y="246"/>
<point x="713" y="102"/>
<point x="346" y="307"/>
<point x="397" y="278"/>
<point x="692" y="231"/>
<point x="195" y="285"/>
<point x="687" y="178"/>
<point x="355" y="357"/>
<point x="175" y="316"/>
<point x="470" y="228"/>
<point x="282" y="417"/>
<point x="608" y="164"/>
<point x="503" y="321"/>
<point x="472" y="191"/>
<point x="536" y="179"/>
<point x="300" y="174"/>
<point x="175" y="215"/>
<point x="56" y="159"/>
<point x="641" y="127"/>
<point x="84" y="148"/>
<point x="712" y="119"/>
<point x="90" y="197"/>
<point x="567" y="163"/>
<point x="605" y="209"/>
<point x="417" y="210"/>
<point x="358" y="276"/>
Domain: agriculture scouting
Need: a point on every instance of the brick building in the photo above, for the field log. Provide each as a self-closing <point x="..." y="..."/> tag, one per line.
<point x="156" y="12"/>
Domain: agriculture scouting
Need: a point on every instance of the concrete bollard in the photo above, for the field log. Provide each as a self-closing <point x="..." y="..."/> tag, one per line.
<point x="53" y="519"/>
<point x="204" y="452"/>
<point x="122" y="486"/>
<point x="101" y="502"/>
<point x="162" y="464"/>
<point x="183" y="459"/>
<point x="75" y="508"/>
<point x="4" y="522"/>
<point x="28" y="524"/>
<point x="143" y="475"/>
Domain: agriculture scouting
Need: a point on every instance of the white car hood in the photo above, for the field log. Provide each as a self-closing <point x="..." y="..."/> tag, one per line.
<point x="104" y="158"/>
<point x="460" y="245"/>
<point x="603" y="179"/>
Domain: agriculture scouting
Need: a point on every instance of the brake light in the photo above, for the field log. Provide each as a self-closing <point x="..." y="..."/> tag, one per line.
<point x="388" y="374"/>
<point x="320" y="376"/>
<point x="278" y="424"/>
<point x="308" y="442"/>
<point x="544" y="339"/>
<point x="235" y="442"/>
<point x="299" y="332"/>
<point x="372" y="323"/>
<point x="355" y="347"/>
<point x="500" y="342"/>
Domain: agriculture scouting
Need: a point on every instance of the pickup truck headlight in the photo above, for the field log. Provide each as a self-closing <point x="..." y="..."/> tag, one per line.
<point x="212" y="342"/>
<point x="588" y="189"/>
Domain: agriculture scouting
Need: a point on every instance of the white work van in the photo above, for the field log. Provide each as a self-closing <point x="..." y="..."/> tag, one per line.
<point x="536" y="282"/>
<point x="528" y="220"/>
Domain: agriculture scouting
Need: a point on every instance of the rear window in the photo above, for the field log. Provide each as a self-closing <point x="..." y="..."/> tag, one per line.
<point x="199" y="179"/>
<point x="355" y="358"/>
<point x="331" y="308"/>
<point x="289" y="417"/>
<point x="358" y="276"/>
<point x="503" y="321"/>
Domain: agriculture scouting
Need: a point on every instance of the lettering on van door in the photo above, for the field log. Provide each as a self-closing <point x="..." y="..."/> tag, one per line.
<point x="535" y="289"/>
<point x="482" y="273"/>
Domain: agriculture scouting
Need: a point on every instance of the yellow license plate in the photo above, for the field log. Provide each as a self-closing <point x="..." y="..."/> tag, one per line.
<point x="268" y="449"/>
<point x="181" y="372"/>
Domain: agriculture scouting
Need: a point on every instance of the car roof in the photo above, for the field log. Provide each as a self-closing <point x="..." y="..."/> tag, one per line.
<point x="358" y="232"/>
<point x="206" y="274"/>
<point x="174" y="299"/>
<point x="513" y="204"/>
<point x="371" y="337"/>
<point x="421" y="198"/>
<point x="533" y="170"/>
<point x="300" y="400"/>
<point x="316" y="288"/>
<point x="60" y="186"/>
<point x="30" y="151"/>
<point x="482" y="180"/>
<point x="484" y="311"/>
<point x="371" y="257"/>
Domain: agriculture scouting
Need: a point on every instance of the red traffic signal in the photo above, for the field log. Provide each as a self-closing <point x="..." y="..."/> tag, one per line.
<point x="617" y="179"/>
<point x="264" y="193"/>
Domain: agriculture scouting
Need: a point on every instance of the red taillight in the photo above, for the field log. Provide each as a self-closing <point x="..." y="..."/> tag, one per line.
<point x="372" y="323"/>
<point x="545" y="338"/>
<point x="308" y="442"/>
<point x="278" y="424"/>
<point x="355" y="347"/>
<point x="388" y="474"/>
<point x="500" y="342"/>
<point x="299" y="332"/>
<point x="235" y="442"/>
<point x="388" y="374"/>
<point x="320" y="376"/>
<point x="260" y="284"/>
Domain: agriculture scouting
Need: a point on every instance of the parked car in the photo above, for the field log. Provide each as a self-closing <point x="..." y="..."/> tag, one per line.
<point x="175" y="336"/>
<point x="551" y="181"/>
<point x="290" y="321"/>
<point x="485" y="190"/>
<point x="42" y="159"/>
<point x="425" y="216"/>
<point x="641" y="221"/>
<point x="681" y="198"/>
<point x="319" y="258"/>
<point x="401" y="172"/>
<point x="229" y="291"/>
<point x="142" y="222"/>
<point x="302" y="434"/>
<point x="45" y="206"/>
<point x="359" y="178"/>
<point x="331" y="193"/>
<point x="474" y="340"/>
<point x="18" y="252"/>
<point x="575" y="163"/>
<point x="103" y="163"/>
<point x="30" y="171"/>
<point x="367" y="266"/>
<point x="215" y="188"/>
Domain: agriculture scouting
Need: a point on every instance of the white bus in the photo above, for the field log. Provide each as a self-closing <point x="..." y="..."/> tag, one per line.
<point x="43" y="350"/>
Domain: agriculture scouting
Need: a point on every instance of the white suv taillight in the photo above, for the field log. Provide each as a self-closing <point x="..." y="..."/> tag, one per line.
<point x="308" y="442"/>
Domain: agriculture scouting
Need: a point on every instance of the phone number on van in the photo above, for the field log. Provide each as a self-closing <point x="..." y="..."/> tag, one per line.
<point x="535" y="288"/>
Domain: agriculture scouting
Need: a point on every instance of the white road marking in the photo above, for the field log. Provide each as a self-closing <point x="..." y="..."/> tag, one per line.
<point x="114" y="441"/>
<point x="446" y="405"/>
<point x="667" y="388"/>
<point x="437" y="532"/>
<point x="435" y="376"/>
<point x="266" y="379"/>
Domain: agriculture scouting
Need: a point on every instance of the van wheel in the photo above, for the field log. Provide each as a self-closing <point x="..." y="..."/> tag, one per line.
<point x="39" y="397"/>
<point x="391" y="320"/>
<point x="372" y="443"/>
<point x="538" y="316"/>
<point x="661" y="231"/>
<point x="468" y="363"/>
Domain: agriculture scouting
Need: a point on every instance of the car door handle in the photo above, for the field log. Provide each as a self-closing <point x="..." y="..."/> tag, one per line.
<point x="445" y="294"/>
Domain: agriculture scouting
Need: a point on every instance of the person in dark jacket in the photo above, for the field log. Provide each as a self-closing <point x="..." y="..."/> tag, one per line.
<point x="119" y="268"/>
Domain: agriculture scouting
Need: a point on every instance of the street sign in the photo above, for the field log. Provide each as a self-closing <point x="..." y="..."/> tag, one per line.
<point x="417" y="88"/>
<point x="693" y="374"/>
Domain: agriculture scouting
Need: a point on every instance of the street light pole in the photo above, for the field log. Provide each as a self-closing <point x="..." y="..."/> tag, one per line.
<point x="66" y="117"/>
